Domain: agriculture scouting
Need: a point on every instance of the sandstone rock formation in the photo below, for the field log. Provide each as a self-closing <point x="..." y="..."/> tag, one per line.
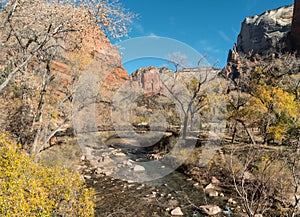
<point x="107" y="66"/>
<point x="148" y="79"/>
<point x="264" y="32"/>
<point x="273" y="31"/>
<point x="295" y="34"/>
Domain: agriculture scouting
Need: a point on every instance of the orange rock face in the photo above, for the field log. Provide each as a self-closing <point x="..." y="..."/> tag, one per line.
<point x="97" y="56"/>
<point x="148" y="79"/>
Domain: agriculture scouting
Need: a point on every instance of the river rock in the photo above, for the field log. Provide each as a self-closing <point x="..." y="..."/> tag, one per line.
<point x="210" y="209"/>
<point x="213" y="193"/>
<point x="231" y="201"/>
<point x="127" y="163"/>
<point x="177" y="212"/>
<point x="215" y="181"/>
<point x="120" y="154"/>
<point x="211" y="190"/>
<point x="139" y="169"/>
<point x="210" y="186"/>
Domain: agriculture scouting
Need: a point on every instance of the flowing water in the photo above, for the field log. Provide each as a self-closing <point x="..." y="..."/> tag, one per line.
<point x="116" y="197"/>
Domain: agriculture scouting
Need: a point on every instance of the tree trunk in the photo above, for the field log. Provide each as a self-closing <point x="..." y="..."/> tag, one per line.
<point x="39" y="117"/>
<point x="234" y="132"/>
<point x="248" y="132"/>
<point x="11" y="74"/>
<point x="267" y="125"/>
<point x="185" y="126"/>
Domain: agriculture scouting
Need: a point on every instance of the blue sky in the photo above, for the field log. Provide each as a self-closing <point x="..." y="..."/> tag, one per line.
<point x="210" y="27"/>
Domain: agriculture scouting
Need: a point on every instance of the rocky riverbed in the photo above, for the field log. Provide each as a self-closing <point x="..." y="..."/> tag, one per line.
<point x="175" y="194"/>
<point x="172" y="195"/>
<point x="188" y="191"/>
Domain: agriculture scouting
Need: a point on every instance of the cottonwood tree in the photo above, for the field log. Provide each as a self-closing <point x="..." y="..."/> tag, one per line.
<point x="263" y="96"/>
<point x="40" y="41"/>
<point x="190" y="91"/>
<point x="34" y="25"/>
<point x="113" y="19"/>
<point x="238" y="100"/>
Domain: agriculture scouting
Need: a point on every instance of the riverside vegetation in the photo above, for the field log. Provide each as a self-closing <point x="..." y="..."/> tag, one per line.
<point x="42" y="45"/>
<point x="254" y="172"/>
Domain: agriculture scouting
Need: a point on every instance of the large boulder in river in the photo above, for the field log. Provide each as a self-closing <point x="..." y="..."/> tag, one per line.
<point x="210" y="209"/>
<point x="177" y="212"/>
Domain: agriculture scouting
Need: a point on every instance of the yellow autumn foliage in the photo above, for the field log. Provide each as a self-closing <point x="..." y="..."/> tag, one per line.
<point x="277" y="132"/>
<point x="28" y="188"/>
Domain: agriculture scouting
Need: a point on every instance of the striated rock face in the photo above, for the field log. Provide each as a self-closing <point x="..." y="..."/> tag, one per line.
<point x="148" y="79"/>
<point x="295" y="34"/>
<point x="264" y="32"/>
<point x="97" y="56"/>
<point x="274" y="30"/>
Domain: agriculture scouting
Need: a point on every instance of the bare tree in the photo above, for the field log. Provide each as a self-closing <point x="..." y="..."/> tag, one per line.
<point x="40" y="38"/>
<point x="35" y="27"/>
<point x="292" y="158"/>
<point x="178" y="60"/>
<point x="252" y="183"/>
<point x="190" y="91"/>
